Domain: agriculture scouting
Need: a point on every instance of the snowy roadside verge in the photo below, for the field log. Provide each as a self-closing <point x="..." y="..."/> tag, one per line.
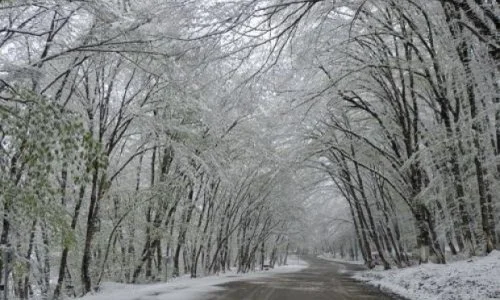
<point x="343" y="261"/>
<point x="184" y="288"/>
<point x="474" y="279"/>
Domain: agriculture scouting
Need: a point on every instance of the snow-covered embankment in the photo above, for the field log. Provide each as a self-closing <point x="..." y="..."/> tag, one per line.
<point x="474" y="279"/>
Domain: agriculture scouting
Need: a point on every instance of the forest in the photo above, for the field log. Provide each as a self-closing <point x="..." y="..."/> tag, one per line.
<point x="144" y="140"/>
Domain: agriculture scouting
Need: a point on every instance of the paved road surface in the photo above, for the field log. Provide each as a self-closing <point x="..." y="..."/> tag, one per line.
<point x="321" y="280"/>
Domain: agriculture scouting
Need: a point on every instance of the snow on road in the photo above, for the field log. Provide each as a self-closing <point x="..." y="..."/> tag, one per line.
<point x="474" y="279"/>
<point x="184" y="288"/>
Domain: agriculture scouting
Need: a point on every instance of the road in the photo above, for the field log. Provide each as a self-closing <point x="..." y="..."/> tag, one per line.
<point x="321" y="280"/>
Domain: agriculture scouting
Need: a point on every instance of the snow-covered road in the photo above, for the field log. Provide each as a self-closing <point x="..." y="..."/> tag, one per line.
<point x="321" y="280"/>
<point x="308" y="279"/>
<point x="185" y="288"/>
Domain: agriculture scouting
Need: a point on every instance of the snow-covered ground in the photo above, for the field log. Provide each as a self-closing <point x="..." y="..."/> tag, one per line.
<point x="184" y="288"/>
<point x="340" y="260"/>
<point x="474" y="279"/>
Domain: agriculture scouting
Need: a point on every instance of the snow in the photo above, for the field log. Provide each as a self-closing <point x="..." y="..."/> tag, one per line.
<point x="184" y="288"/>
<point x="329" y="257"/>
<point x="475" y="279"/>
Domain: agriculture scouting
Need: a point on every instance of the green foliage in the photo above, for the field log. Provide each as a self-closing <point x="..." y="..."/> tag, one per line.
<point x="44" y="141"/>
<point x="68" y="237"/>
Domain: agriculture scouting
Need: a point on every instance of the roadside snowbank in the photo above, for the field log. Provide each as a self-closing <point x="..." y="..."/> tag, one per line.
<point x="340" y="260"/>
<point x="474" y="279"/>
<point x="183" y="288"/>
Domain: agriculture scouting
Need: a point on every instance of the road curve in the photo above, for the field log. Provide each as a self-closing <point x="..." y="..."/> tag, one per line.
<point x="321" y="280"/>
